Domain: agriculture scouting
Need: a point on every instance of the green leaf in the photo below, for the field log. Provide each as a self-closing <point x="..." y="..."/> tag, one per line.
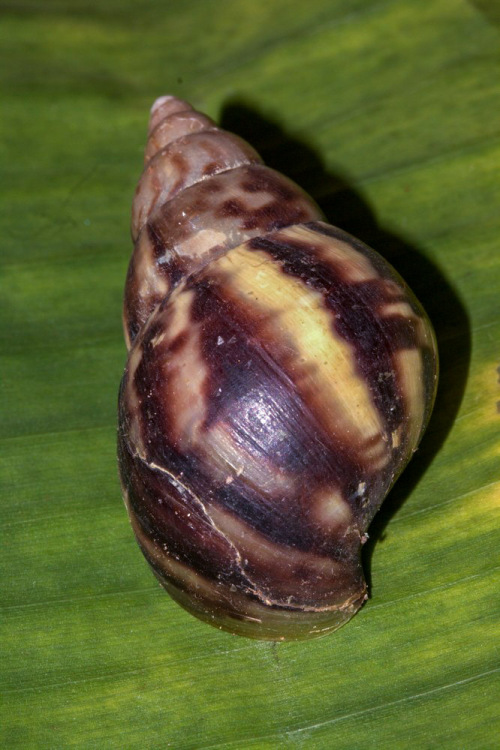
<point x="387" y="112"/>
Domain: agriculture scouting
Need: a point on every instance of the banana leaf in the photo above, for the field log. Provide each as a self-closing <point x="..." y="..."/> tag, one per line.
<point x="387" y="112"/>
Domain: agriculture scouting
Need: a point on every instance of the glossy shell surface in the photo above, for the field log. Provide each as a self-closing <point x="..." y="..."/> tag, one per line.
<point x="280" y="376"/>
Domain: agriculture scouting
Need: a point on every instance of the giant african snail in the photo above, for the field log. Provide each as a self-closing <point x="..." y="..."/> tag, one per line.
<point x="279" y="378"/>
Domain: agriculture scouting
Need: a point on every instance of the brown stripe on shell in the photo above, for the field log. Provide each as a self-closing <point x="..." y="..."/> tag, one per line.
<point x="293" y="326"/>
<point x="171" y="515"/>
<point x="235" y="608"/>
<point x="202" y="222"/>
<point x="405" y="323"/>
<point x="222" y="548"/>
<point x="184" y="162"/>
<point x="373" y="312"/>
<point x="145" y="288"/>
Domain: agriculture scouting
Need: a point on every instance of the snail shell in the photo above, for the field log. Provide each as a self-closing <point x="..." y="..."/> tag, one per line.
<point x="280" y="376"/>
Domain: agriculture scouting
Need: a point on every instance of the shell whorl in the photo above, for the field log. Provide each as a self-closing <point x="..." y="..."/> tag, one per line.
<point x="280" y="376"/>
<point x="203" y="191"/>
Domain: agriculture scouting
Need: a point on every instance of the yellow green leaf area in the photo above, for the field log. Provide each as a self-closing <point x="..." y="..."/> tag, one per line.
<point x="387" y="113"/>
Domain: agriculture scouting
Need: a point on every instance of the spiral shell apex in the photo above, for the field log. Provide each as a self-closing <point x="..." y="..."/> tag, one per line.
<point x="280" y="376"/>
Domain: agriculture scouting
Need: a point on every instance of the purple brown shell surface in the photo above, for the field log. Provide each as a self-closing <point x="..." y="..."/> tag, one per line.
<point x="280" y="376"/>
